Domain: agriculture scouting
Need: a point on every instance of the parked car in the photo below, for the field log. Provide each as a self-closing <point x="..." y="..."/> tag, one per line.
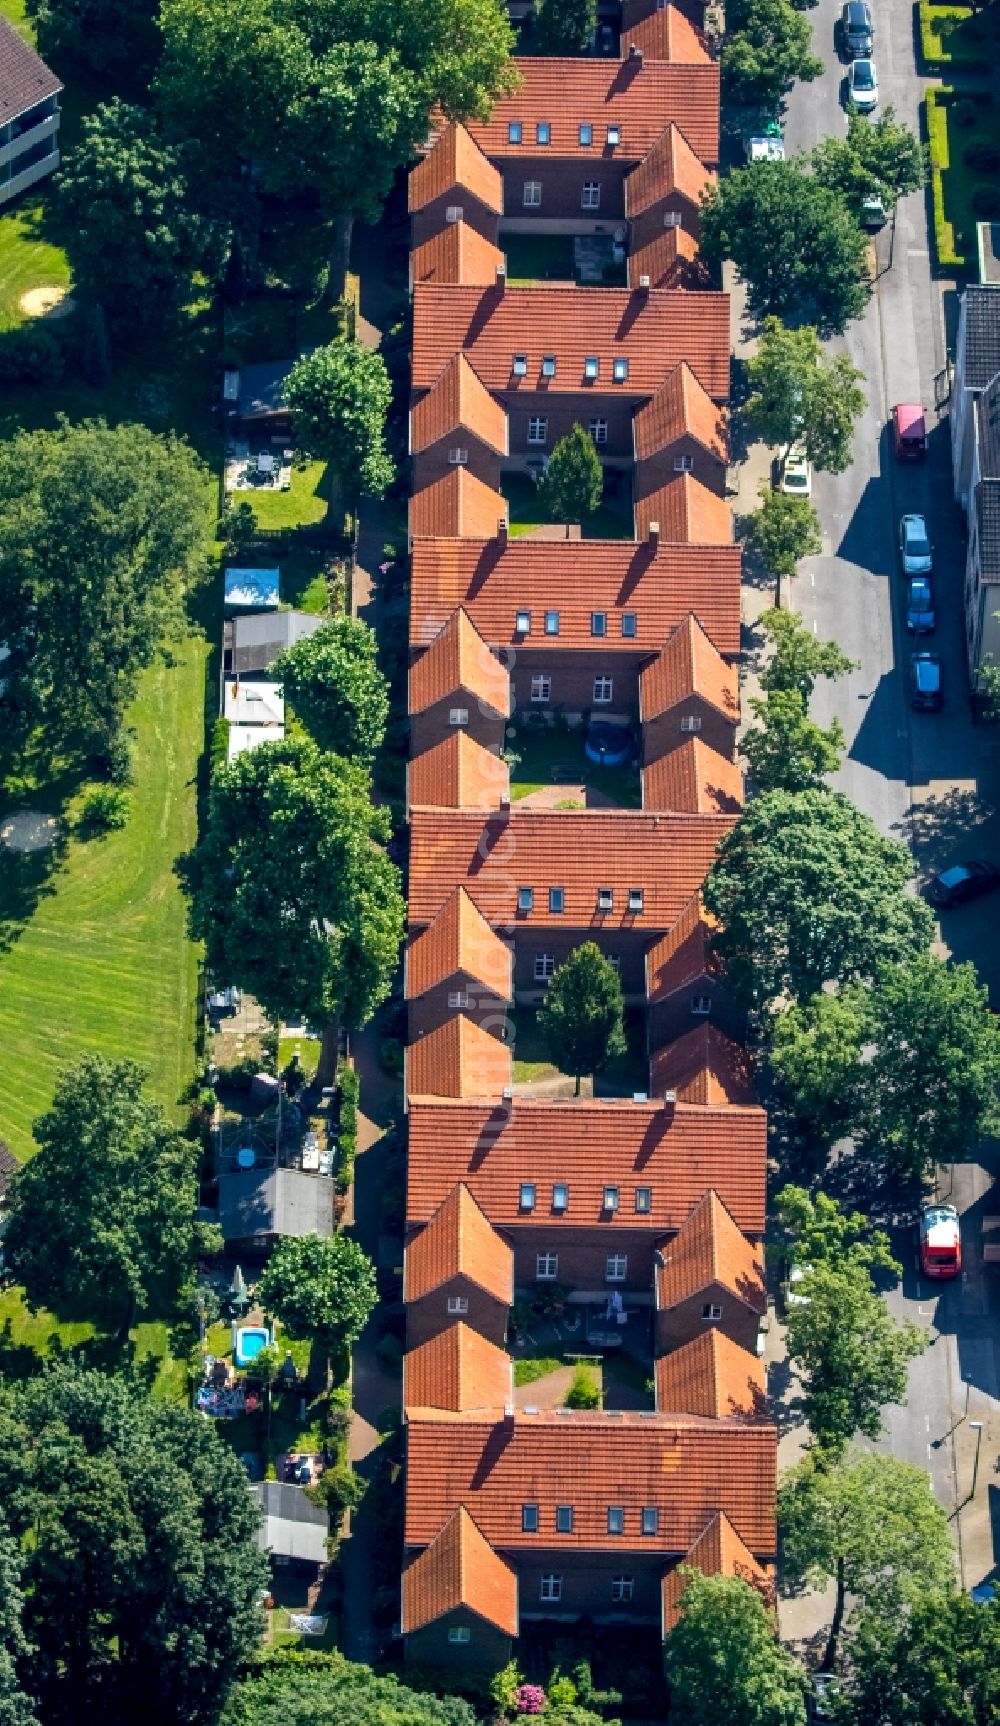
<point x="920" y="618"/>
<point x="915" y="546"/>
<point x="940" y="1242"/>
<point x="857" y="34"/>
<point x="789" y="1294"/>
<point x="925" y="682"/>
<point x="825" y="1697"/>
<point x="963" y="881"/>
<point x="873" y="213"/>
<point x="796" y="473"/>
<point x="763" y="142"/>
<point x="909" y="434"/>
<point x="862" y="85"/>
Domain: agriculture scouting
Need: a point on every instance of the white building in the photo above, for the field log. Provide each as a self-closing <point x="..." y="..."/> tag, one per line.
<point x="29" y="115"/>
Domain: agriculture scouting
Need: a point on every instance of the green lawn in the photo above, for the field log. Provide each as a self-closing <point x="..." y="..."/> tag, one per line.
<point x="539" y="258"/>
<point x="303" y="506"/>
<point x="609" y="522"/>
<point x="956" y="36"/>
<point x="104" y="962"/>
<point x="960" y="123"/>
<point x="554" y="755"/>
<point x="27" y="259"/>
<point x="622" y="1077"/>
<point x="43" y="1335"/>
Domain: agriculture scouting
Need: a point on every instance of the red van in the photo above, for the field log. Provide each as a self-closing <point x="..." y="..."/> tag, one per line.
<point x="940" y="1242"/>
<point x="909" y="433"/>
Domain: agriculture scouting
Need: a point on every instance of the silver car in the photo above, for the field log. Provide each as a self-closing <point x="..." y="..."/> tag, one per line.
<point x="915" y="546"/>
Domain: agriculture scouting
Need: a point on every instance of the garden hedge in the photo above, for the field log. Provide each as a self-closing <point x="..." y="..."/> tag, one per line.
<point x="937" y="133"/>
<point x="942" y="49"/>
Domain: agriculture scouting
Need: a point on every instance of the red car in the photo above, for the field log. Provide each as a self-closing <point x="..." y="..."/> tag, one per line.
<point x="940" y="1242"/>
<point x="909" y="433"/>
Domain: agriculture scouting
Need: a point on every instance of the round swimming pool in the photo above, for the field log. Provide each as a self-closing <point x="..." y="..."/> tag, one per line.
<point x="608" y="745"/>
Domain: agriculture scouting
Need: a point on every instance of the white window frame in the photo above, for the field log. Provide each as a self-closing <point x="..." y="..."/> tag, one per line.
<point x="550" y="1587"/>
<point x="454" y="213"/>
<point x="458" y="998"/>
<point x="616" y="1268"/>
<point x="590" y="195"/>
<point x="711" y="1312"/>
<point x="545" y="964"/>
<point x="604" y="691"/>
<point x="622" y="1589"/>
<point x="615" y="961"/>
<point x="538" y="430"/>
<point x="683" y="463"/>
<point x="458" y="457"/>
<point x="458" y="1304"/>
<point x="541" y="686"/>
<point x="546" y="1267"/>
<point x="671" y="218"/>
<point x="459" y="1634"/>
<point x="690" y="722"/>
<point x="598" y="429"/>
<point x="701" y="1006"/>
<point x="458" y="716"/>
<point x="531" y="196"/>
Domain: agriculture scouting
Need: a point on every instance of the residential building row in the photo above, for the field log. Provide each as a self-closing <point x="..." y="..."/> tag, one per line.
<point x="975" y="444"/>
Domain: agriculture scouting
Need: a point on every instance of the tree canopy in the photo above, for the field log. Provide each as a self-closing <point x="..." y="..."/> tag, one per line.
<point x="320" y="1288"/>
<point x="334" y="684"/>
<point x="339" y="396"/>
<point x="292" y="891"/>
<point x="570" y="488"/>
<point x="138" y="1538"/>
<point x="822" y="1232"/>
<point x="798" y="393"/>
<point x="110" y="37"/>
<point x="881" y="157"/>
<point x="937" y="1666"/>
<point x="813" y="1051"/>
<point x="563" y="26"/>
<point x="16" y="1707"/>
<point x="786" y="750"/>
<point x="809" y="892"/>
<point x="782" y="531"/>
<point x="324" y="1690"/>
<point x="726" y="1664"/>
<point x="581" y="1016"/>
<point x="798" y="657"/>
<point x="768" y="46"/>
<point x="797" y="247"/>
<point x="101" y="1220"/>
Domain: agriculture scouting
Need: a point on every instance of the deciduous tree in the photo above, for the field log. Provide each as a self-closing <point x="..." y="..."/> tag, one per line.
<point x="570" y="488"/>
<point x="768" y="46"/>
<point x="726" y="1664"/>
<point x="324" y="1690"/>
<point x="937" y="1666"/>
<point x="563" y="26"/>
<point x="881" y="157"/>
<point x="800" y="394"/>
<point x="16" y="1708"/>
<point x="318" y="1288"/>
<point x="114" y="38"/>
<point x="822" y="1232"/>
<point x="813" y="1055"/>
<point x="798" y="657"/>
<point x="339" y="396"/>
<point x="334" y="684"/>
<point x="782" y="531"/>
<point x="581" y="1016"/>
<point x="786" y="750"/>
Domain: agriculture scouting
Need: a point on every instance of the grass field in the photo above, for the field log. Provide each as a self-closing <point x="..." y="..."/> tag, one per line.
<point x="27" y="259"/>
<point x="104" y="961"/>
<point x="44" y="1336"/>
<point x="302" y="506"/>
<point x="608" y="522"/>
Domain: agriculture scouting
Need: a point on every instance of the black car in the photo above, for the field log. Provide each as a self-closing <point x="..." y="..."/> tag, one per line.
<point x="925" y="682"/>
<point x="963" y="881"/>
<point x="857" y="35"/>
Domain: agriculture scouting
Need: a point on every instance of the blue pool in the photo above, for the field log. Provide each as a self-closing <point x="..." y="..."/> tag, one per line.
<point x="250" y="1339"/>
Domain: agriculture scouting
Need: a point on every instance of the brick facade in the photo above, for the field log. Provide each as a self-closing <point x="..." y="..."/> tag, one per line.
<point x="682" y="1322"/>
<point x="668" y="1020"/>
<point x="562" y="208"/>
<point x="432" y="464"/>
<point x="667" y="730"/>
<point x="627" y="945"/>
<point x="586" y="1585"/>
<point x="561" y="413"/>
<point x="582" y="1255"/>
<point x="571" y="673"/>
<point x="425" y="223"/>
<point x="485" y="1651"/>
<point x="433" y="1009"/>
<point x="658" y="470"/>
<point x="434" y="724"/>
<point x="429" y="1316"/>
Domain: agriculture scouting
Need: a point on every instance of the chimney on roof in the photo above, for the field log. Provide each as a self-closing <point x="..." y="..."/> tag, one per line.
<point x="644" y="284"/>
<point x="635" y="53"/>
<point x="654" y="534"/>
<point x="669" y="1099"/>
<point x="502" y="530"/>
<point x="502" y="275"/>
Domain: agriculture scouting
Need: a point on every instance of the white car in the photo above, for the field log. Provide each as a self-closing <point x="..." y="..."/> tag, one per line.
<point x="862" y="85"/>
<point x="796" y="475"/>
<point x="914" y="545"/>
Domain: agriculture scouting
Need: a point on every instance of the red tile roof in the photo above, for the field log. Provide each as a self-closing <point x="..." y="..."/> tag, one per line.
<point x="717" y="1552"/>
<point x="665" y="34"/>
<point x="683" y="956"/>
<point x="458" y="660"/>
<point x="694" y="778"/>
<point x="688" y="513"/>
<point x="681" y="407"/>
<point x="713" y="1376"/>
<point x="677" y="1151"/>
<point x="671" y="260"/>
<point x="458" y="1059"/>
<point x="690" y="664"/>
<point x="659" y="585"/>
<point x="666" y="856"/>
<point x="458" y="773"/>
<point x="653" y="331"/>
<point x="459" y="1569"/>
<point x="458" y="1241"/>
<point x="455" y="506"/>
<point x="670" y="167"/>
<point x="458" y="256"/>
<point x="457" y="1370"/>
<point x="640" y="99"/>
<point x="458" y="943"/>
<point x="687" y="1469"/>
<point x="456" y="161"/>
<point x="456" y="401"/>
<point x="710" y="1248"/>
<point x="704" y="1066"/>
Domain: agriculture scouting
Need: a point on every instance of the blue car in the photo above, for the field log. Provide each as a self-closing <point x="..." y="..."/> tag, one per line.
<point x="920" y="619"/>
<point x="925" y="682"/>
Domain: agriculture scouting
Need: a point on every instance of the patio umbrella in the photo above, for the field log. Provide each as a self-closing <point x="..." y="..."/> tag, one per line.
<point x="238" y="1289"/>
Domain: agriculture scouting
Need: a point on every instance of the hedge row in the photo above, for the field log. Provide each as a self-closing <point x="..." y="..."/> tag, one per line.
<point x="944" y="48"/>
<point x="948" y="257"/>
<point x="350" y="1090"/>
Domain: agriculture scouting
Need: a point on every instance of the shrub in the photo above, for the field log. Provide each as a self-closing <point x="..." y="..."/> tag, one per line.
<point x="584" y="1392"/>
<point x="966" y="112"/>
<point x="986" y="200"/>
<point x="350" y="1090"/>
<point x="948" y="256"/>
<point x="530" y="1699"/>
<point x="105" y="809"/>
<point x="982" y="155"/>
<point x="31" y="354"/>
<point x="504" y="1688"/>
<point x="391" y="1054"/>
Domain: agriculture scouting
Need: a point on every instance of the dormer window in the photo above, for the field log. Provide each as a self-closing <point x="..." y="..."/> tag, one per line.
<point x="552" y="623"/>
<point x="527" y="1197"/>
<point x="636" y="896"/>
<point x="611" y="1198"/>
<point x="513" y="131"/>
<point x="614" y="136"/>
<point x="598" y="623"/>
<point x="605" y="898"/>
<point x="519" y="365"/>
<point x="522" y="623"/>
<point x="586" y="134"/>
<point x="560" y="1196"/>
<point x="543" y="132"/>
<point x="557" y="900"/>
<point x="548" y="365"/>
<point x="620" y="371"/>
<point x="591" y="367"/>
<point x="525" y="898"/>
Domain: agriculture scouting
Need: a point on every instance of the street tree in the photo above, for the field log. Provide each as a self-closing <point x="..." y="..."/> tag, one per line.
<point x="581" y="1017"/>
<point x="809" y="892"/>
<point x="822" y="1232"/>
<point x="794" y="243"/>
<point x="798" y="657"/>
<point x="724" y="1661"/>
<point x="813" y="1058"/>
<point x="334" y="684"/>
<point x="939" y="1665"/>
<point x="124" y="203"/>
<point x="878" y="157"/>
<point x="101" y="1219"/>
<point x="141" y="1573"/>
<point x="768" y="47"/>
<point x="112" y="38"/>
<point x="871" y="1525"/>
<point x="320" y="1288"/>
<point x="782" y="531"/>
<point x="798" y="393"/>
<point x="786" y="750"/>
<point x="16" y="1708"/>
<point x="100" y="529"/>
<point x="339" y="396"/>
<point x="325" y="1690"/>
<point x="570" y="488"/>
<point x="292" y="890"/>
<point x="563" y="26"/>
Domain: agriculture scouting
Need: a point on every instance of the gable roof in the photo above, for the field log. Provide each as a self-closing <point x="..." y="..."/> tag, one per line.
<point x="664" y="33"/>
<point x="459" y="942"/>
<point x="458" y="659"/>
<point x="455" y="506"/>
<point x="459" y="1569"/>
<point x="988" y="529"/>
<point x="457" y="400"/>
<point x="672" y="259"/>
<point x="713" y="1376"/>
<point x="458" y="1059"/>
<point x="685" y="1468"/>
<point x="676" y="1151"/>
<point x="681" y="407"/>
<point x="254" y="639"/>
<point x="458" y="255"/>
<point x="255" y="1203"/>
<point x="458" y="1241"/>
<point x="689" y="664"/>
<point x="456" y="161"/>
<point x="652" y="329"/>
<point x="658" y="584"/>
<point x="683" y="956"/>
<point x="704" y="1066"/>
<point x="24" y="77"/>
<point x="719" y="1551"/>
<point x="687" y="511"/>
<point x="641" y="98"/>
<point x="666" y="856"/>
<point x="694" y="778"/>
<point x="670" y="168"/>
<point x="458" y="773"/>
<point x="981" y="305"/>
<point x="458" y="1370"/>
<point x="710" y="1249"/>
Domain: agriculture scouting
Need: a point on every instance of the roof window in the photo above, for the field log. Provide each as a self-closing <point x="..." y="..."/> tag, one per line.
<point x="552" y="623"/>
<point x="611" y="1198"/>
<point x="628" y="624"/>
<point x="586" y="134"/>
<point x="557" y="899"/>
<point x="614" y="135"/>
<point x="598" y="623"/>
<point x="522" y="623"/>
<point x="529" y="1519"/>
<point x="616" y="1519"/>
<point x="564" y="1519"/>
<point x="519" y="365"/>
<point x="560" y="1196"/>
<point x="543" y="132"/>
<point x="636" y="895"/>
<point x="620" y="370"/>
<point x="605" y="898"/>
<point x="525" y="898"/>
<point x="591" y="366"/>
<point x="513" y="131"/>
<point x="548" y="365"/>
<point x="526" y="1201"/>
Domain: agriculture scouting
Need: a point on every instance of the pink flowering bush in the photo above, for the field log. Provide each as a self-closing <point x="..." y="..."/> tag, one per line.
<point x="530" y="1699"/>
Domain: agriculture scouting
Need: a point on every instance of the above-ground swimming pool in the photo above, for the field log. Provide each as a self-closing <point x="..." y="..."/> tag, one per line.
<point x="250" y="1339"/>
<point x="608" y="745"/>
